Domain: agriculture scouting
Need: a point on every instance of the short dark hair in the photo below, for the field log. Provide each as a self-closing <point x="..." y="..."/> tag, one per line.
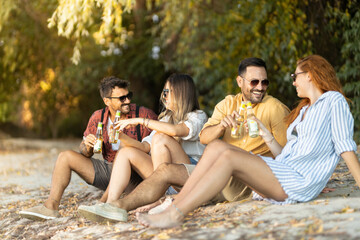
<point x="107" y="84"/>
<point x="253" y="61"/>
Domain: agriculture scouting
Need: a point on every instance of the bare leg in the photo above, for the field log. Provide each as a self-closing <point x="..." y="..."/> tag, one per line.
<point x="66" y="162"/>
<point x="165" y="149"/>
<point x="232" y="161"/>
<point x="126" y="159"/>
<point x="211" y="154"/>
<point x="154" y="187"/>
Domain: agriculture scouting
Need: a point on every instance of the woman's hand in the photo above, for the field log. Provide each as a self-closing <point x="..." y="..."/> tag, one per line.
<point x="263" y="131"/>
<point x="122" y="124"/>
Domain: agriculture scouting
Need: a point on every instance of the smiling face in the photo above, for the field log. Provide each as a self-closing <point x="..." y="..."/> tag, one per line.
<point x="251" y="92"/>
<point x="115" y="104"/>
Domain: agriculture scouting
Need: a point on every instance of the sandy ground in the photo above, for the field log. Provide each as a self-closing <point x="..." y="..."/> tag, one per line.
<point x="25" y="176"/>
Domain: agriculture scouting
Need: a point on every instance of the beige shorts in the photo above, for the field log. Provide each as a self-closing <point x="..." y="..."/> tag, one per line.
<point x="234" y="190"/>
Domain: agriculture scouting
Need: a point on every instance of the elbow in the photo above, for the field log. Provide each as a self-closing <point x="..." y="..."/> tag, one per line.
<point x="203" y="140"/>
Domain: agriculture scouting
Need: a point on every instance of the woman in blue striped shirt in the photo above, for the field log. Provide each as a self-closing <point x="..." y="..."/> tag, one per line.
<point x="320" y="132"/>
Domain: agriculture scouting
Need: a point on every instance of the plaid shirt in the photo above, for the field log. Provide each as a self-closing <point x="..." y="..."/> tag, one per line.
<point x="108" y="153"/>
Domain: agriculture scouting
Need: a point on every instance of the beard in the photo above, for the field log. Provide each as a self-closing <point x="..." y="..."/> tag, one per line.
<point x="125" y="108"/>
<point x="255" y="98"/>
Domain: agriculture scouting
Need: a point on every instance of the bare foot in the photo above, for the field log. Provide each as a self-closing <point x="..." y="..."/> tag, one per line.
<point x="146" y="208"/>
<point x="167" y="219"/>
<point x="327" y="190"/>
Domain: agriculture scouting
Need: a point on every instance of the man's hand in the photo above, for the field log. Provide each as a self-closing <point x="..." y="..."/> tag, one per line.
<point x="90" y="141"/>
<point x="87" y="145"/>
<point x="229" y="121"/>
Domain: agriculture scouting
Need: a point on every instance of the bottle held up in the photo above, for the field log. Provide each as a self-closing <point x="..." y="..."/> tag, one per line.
<point x="252" y="124"/>
<point x="238" y="131"/>
<point x="99" y="139"/>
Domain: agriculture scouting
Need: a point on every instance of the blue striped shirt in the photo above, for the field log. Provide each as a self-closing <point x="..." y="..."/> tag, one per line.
<point x="314" y="146"/>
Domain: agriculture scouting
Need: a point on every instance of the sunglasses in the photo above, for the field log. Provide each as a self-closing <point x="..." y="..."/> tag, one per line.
<point x="165" y="93"/>
<point x="123" y="98"/>
<point x="294" y="75"/>
<point x="255" y="82"/>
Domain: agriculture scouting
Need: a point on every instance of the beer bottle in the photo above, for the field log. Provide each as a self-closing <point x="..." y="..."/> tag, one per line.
<point x="117" y="132"/>
<point x="238" y="131"/>
<point x="99" y="139"/>
<point x="111" y="134"/>
<point x="252" y="124"/>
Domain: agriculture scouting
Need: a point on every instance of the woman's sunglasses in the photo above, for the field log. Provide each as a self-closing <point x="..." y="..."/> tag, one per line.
<point x="165" y="93"/>
<point x="294" y="75"/>
<point x="123" y="98"/>
<point x="255" y="82"/>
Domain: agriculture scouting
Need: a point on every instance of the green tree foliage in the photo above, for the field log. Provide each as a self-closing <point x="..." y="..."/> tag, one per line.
<point x="210" y="38"/>
<point x="144" y="41"/>
<point x="345" y="21"/>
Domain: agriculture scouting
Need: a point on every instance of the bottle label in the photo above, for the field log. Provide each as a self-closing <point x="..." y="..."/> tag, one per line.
<point x="117" y="133"/>
<point x="253" y="128"/>
<point x="98" y="146"/>
<point x="234" y="132"/>
<point x="111" y="135"/>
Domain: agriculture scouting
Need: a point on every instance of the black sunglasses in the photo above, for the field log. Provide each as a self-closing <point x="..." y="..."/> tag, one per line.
<point x="165" y="93"/>
<point x="294" y="75"/>
<point x="123" y="98"/>
<point x="255" y="82"/>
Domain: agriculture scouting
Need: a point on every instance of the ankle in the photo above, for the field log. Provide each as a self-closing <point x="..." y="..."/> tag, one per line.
<point x="52" y="204"/>
<point x="178" y="214"/>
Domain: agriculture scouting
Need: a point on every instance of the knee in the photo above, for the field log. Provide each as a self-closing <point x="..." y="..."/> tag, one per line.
<point x="165" y="170"/>
<point x="217" y="145"/>
<point x="66" y="157"/>
<point x="227" y="156"/>
<point x="124" y="152"/>
<point x="231" y="158"/>
<point x="159" y="139"/>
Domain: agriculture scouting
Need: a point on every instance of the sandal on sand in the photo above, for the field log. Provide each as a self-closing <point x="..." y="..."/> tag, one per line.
<point x="40" y="213"/>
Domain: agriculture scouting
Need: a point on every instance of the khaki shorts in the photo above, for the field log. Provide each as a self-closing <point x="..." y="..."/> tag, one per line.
<point x="234" y="190"/>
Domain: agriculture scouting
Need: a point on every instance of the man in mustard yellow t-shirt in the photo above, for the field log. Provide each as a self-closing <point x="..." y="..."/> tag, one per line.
<point x="253" y="82"/>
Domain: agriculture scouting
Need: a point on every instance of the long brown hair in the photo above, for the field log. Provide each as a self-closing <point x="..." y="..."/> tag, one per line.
<point x="184" y="97"/>
<point x="323" y="76"/>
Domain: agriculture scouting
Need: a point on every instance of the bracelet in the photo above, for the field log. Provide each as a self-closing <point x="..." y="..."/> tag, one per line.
<point x="178" y="210"/>
<point x="270" y="141"/>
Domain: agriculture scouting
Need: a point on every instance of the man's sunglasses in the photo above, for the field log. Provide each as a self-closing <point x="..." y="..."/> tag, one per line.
<point x="123" y="98"/>
<point x="165" y="93"/>
<point x="294" y="75"/>
<point x="255" y="82"/>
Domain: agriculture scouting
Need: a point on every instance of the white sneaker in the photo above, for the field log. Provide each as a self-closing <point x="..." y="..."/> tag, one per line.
<point x="161" y="207"/>
<point x="103" y="212"/>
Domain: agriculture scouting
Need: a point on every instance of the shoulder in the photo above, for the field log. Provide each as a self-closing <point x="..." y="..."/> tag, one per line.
<point x="197" y="114"/>
<point x="229" y="100"/>
<point x="333" y="96"/>
<point x="269" y="102"/>
<point x="232" y="98"/>
<point x="97" y="113"/>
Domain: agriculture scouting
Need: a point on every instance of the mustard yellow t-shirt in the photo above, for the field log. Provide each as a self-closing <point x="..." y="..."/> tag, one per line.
<point x="271" y="113"/>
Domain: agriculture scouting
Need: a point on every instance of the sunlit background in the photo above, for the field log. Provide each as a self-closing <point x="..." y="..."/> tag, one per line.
<point x="54" y="53"/>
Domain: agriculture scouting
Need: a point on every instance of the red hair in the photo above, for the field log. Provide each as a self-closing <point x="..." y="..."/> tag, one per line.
<point x="323" y="76"/>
